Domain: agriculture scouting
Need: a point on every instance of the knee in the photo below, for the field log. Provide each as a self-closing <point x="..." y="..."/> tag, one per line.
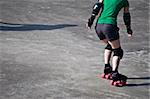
<point x="118" y="52"/>
<point x="108" y="47"/>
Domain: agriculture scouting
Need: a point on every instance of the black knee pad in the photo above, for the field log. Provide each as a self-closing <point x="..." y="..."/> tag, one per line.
<point x="118" y="52"/>
<point x="108" y="47"/>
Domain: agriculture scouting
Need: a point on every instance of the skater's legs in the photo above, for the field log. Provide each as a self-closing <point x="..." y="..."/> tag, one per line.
<point x="114" y="44"/>
<point x="107" y="54"/>
<point x="118" y="54"/>
<point x="115" y="63"/>
<point x="109" y="35"/>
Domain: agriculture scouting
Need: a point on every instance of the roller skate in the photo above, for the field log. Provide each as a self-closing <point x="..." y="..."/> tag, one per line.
<point x="118" y="80"/>
<point x="107" y="72"/>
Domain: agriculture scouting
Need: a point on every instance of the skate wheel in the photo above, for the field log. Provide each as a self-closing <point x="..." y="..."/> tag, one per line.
<point x="115" y="83"/>
<point x="107" y="76"/>
<point x="112" y="82"/>
<point x="103" y="75"/>
<point x="119" y="82"/>
<point x="123" y="83"/>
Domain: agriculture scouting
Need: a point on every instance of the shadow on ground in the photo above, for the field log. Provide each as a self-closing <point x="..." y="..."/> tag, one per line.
<point x="139" y="84"/>
<point x="30" y="27"/>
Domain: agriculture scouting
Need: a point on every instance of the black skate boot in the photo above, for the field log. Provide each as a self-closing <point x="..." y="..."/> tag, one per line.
<point x="107" y="72"/>
<point x="118" y="80"/>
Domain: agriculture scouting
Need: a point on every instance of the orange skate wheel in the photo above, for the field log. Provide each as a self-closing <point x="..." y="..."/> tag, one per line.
<point x="112" y="82"/>
<point x="103" y="75"/>
<point x="107" y="76"/>
<point x="115" y="83"/>
<point x="123" y="83"/>
<point x="118" y="82"/>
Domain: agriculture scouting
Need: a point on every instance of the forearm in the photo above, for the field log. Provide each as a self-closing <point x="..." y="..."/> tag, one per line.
<point x="96" y="9"/>
<point x="127" y="19"/>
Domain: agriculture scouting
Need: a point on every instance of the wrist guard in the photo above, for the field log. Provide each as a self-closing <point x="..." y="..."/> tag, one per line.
<point x="129" y="31"/>
<point x="91" y="20"/>
<point x="127" y="19"/>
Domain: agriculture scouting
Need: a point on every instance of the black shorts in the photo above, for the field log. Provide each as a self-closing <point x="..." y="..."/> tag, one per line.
<point x="107" y="31"/>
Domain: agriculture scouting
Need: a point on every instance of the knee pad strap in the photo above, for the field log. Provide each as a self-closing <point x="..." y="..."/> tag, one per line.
<point x="118" y="52"/>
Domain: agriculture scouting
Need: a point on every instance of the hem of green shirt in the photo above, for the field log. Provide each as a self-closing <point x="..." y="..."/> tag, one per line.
<point x="105" y="22"/>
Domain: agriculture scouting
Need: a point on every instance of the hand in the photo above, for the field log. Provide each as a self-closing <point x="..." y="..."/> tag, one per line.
<point x="87" y="26"/>
<point x="89" y="23"/>
<point x="130" y="32"/>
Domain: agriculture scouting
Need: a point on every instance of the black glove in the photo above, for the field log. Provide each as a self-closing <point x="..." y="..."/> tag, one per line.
<point x="90" y="21"/>
<point x="129" y="30"/>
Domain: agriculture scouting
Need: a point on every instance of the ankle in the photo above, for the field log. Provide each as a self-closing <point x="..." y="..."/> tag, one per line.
<point x="107" y="65"/>
<point x="115" y="71"/>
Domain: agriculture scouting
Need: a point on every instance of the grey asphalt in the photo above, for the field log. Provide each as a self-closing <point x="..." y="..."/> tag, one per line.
<point x="47" y="53"/>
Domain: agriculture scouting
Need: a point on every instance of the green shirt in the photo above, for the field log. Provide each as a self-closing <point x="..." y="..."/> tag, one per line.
<point x="110" y="11"/>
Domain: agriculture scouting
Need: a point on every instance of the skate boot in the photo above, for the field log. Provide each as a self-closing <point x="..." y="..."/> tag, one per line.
<point x="107" y="72"/>
<point x="118" y="80"/>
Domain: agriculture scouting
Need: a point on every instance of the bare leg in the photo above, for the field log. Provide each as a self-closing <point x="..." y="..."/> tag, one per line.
<point x="107" y="56"/>
<point x="115" y="44"/>
<point x="107" y="53"/>
<point x="116" y="59"/>
<point x="115" y="63"/>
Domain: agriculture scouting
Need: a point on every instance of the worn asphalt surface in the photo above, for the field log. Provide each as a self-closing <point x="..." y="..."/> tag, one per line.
<point x="47" y="53"/>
